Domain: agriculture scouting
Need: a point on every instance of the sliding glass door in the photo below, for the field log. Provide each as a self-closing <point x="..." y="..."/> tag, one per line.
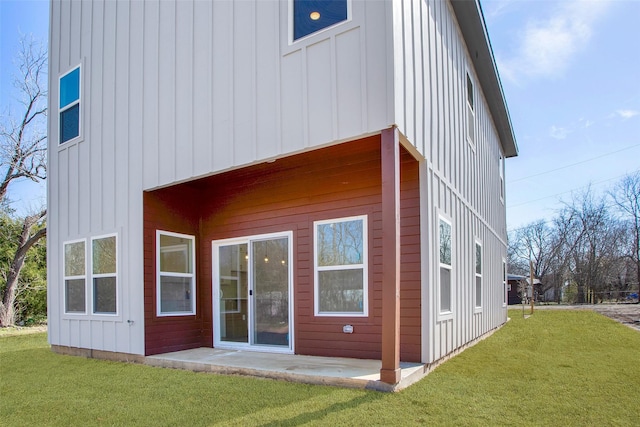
<point x="252" y="292"/>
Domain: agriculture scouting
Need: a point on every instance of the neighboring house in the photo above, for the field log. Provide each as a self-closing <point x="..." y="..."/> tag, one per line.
<point x="516" y="284"/>
<point x="267" y="176"/>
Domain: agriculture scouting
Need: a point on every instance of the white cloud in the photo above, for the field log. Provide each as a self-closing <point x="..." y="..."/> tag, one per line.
<point x="558" y="132"/>
<point x="627" y="114"/>
<point x="547" y="47"/>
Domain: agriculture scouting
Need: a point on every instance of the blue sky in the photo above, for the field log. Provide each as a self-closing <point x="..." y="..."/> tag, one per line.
<point x="571" y="75"/>
<point x="20" y="17"/>
<point x="570" y="70"/>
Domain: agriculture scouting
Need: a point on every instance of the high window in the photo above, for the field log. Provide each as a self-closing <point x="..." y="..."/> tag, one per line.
<point x="75" y="277"/>
<point x="176" y="274"/>
<point x="104" y="274"/>
<point x="471" y="120"/>
<point x="340" y="265"/>
<point x="501" y="167"/>
<point x="69" y="122"/>
<point x="478" y="291"/>
<point x="310" y="16"/>
<point x="445" y="265"/>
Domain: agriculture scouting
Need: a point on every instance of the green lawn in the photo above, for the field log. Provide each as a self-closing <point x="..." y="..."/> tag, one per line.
<point x="556" y="368"/>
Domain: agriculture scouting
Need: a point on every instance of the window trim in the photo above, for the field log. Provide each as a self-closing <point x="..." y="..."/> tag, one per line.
<point x="445" y="314"/>
<point x="478" y="275"/>
<point x="160" y="274"/>
<point x="77" y="277"/>
<point x="103" y="275"/>
<point x="78" y="102"/>
<point x="291" y="27"/>
<point x="364" y="266"/>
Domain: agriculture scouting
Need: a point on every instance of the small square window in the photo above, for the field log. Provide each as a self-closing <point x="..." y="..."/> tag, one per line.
<point x="310" y="16"/>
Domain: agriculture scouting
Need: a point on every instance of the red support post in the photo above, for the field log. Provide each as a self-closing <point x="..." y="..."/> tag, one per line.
<point x="390" y="153"/>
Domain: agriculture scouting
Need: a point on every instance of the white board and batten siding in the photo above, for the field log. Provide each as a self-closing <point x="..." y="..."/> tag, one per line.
<point x="461" y="181"/>
<point x="175" y="90"/>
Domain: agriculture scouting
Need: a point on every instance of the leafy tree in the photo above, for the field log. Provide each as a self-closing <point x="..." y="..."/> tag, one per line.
<point x="31" y="291"/>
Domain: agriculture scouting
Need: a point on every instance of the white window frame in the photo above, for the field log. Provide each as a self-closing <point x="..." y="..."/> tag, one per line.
<point x="478" y="275"/>
<point x="471" y="112"/>
<point x="505" y="290"/>
<point x="103" y="275"/>
<point x="364" y="266"/>
<point x="78" y="102"/>
<point x="160" y="274"/>
<point x="292" y="23"/>
<point x="445" y="314"/>
<point x="77" y="277"/>
<point x="502" y="186"/>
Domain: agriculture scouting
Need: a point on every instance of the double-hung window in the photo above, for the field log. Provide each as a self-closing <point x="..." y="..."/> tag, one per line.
<point x="445" y="266"/>
<point x="501" y="167"/>
<point x="75" y="278"/>
<point x="471" y="120"/>
<point x="69" y="119"/>
<point x="104" y="274"/>
<point x="310" y="16"/>
<point x="176" y="274"/>
<point x="478" y="286"/>
<point x="504" y="282"/>
<point x="341" y="267"/>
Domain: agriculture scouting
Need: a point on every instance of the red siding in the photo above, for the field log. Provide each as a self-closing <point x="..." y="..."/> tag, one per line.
<point x="173" y="209"/>
<point x="290" y="194"/>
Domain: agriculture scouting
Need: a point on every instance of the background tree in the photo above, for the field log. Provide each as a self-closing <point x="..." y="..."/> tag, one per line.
<point x="539" y="242"/>
<point x="23" y="156"/>
<point x="585" y="246"/>
<point x="626" y="196"/>
<point x="592" y="238"/>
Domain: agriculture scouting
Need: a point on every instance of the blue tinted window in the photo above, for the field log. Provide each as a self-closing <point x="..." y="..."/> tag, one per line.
<point x="70" y="88"/>
<point x="70" y="123"/>
<point x="310" y="16"/>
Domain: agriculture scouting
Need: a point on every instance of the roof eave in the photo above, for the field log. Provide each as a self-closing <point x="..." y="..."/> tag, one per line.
<point x="474" y="31"/>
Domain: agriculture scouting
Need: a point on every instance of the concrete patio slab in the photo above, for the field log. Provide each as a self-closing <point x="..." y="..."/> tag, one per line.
<point x="336" y="371"/>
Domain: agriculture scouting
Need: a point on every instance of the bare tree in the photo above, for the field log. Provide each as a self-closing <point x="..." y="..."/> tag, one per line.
<point x="592" y="237"/>
<point x="23" y="156"/>
<point x="541" y="243"/>
<point x="626" y="196"/>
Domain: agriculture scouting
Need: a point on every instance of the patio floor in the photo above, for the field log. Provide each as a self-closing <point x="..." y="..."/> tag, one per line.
<point x="336" y="371"/>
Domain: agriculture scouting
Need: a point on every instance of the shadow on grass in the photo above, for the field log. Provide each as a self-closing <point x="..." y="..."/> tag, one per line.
<point x="319" y="414"/>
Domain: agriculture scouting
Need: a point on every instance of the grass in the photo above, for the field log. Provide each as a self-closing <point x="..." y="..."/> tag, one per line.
<point x="554" y="368"/>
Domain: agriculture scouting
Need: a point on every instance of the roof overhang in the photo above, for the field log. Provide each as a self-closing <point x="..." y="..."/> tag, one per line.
<point x="474" y="32"/>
